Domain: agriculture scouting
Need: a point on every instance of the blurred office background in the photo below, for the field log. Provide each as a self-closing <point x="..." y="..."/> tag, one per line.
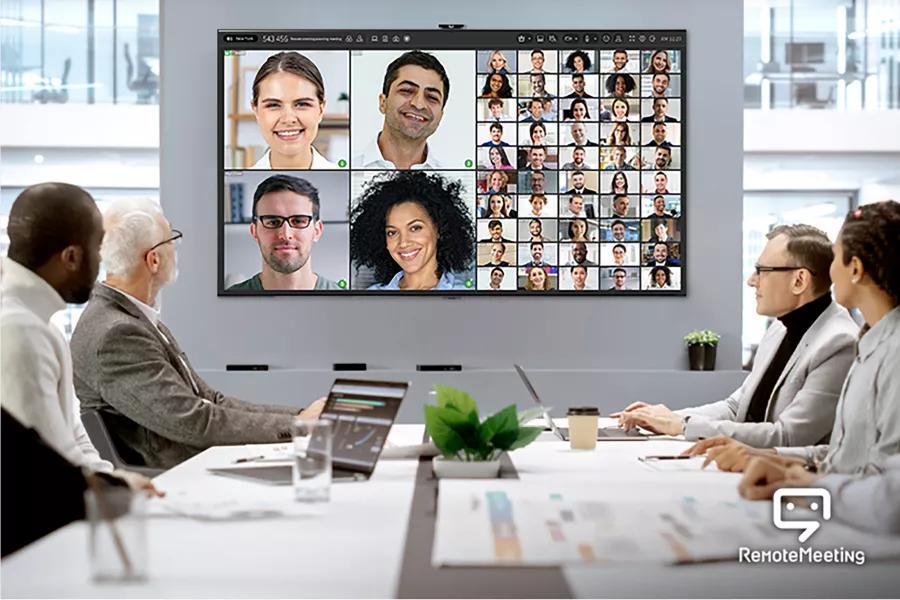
<point x="79" y="88"/>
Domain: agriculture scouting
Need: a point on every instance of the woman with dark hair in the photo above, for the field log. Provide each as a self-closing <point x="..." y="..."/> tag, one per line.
<point x="538" y="133"/>
<point x="578" y="62"/>
<point x="496" y="85"/>
<point x="496" y="208"/>
<point x="578" y="110"/>
<point x="660" y="278"/>
<point x="620" y="84"/>
<point x="620" y="109"/>
<point x="497" y="158"/>
<point x="659" y="62"/>
<point x="414" y="231"/>
<point x="577" y="230"/>
<point x="619" y="183"/>
<point x="288" y="101"/>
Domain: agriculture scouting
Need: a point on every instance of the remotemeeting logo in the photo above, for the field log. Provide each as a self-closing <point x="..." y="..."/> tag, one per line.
<point x="784" y="505"/>
<point x="808" y="527"/>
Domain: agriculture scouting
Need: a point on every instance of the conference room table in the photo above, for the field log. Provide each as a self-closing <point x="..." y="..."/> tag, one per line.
<point x="222" y="537"/>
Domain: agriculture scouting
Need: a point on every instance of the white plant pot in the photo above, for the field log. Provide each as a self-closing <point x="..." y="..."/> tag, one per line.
<point x="447" y="468"/>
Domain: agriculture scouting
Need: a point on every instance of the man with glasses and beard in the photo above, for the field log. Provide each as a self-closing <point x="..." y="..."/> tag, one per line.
<point x="129" y="367"/>
<point x="286" y="226"/>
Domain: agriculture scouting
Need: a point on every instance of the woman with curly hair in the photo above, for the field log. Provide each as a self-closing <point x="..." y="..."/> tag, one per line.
<point x="414" y="231"/>
<point x="496" y="85"/>
<point x="620" y="84"/>
<point x="578" y="62"/>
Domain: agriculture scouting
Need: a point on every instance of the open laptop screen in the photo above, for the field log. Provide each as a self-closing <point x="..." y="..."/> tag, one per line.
<point x="362" y="413"/>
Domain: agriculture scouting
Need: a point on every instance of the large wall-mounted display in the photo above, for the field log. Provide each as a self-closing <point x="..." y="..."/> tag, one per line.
<point x="452" y="162"/>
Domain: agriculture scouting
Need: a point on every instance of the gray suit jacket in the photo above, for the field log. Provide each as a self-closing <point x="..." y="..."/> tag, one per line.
<point x="159" y="411"/>
<point x="801" y="408"/>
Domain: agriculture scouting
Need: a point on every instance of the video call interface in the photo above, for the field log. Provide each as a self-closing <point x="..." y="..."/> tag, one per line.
<point x="452" y="162"/>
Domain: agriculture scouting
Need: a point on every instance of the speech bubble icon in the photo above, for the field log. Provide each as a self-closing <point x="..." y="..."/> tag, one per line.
<point x="808" y="527"/>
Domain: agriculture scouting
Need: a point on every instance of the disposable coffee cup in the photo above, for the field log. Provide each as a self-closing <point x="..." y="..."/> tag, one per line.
<point x="583" y="422"/>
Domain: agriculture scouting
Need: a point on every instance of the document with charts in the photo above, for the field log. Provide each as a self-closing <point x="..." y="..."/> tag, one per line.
<point x="495" y="523"/>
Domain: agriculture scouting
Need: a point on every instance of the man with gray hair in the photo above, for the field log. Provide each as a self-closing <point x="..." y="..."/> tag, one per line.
<point x="789" y="397"/>
<point x="129" y="367"/>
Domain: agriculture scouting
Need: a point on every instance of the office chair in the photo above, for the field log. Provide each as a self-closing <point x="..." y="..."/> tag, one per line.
<point x="103" y="442"/>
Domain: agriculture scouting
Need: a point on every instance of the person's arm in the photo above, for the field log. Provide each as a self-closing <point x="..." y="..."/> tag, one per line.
<point x="868" y="502"/>
<point x="809" y="416"/>
<point x="30" y="391"/>
<point x="886" y="408"/>
<point x="46" y="489"/>
<point x="136" y="377"/>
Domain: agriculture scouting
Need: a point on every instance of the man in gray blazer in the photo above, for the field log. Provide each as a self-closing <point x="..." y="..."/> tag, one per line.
<point x="789" y="397"/>
<point x="128" y="365"/>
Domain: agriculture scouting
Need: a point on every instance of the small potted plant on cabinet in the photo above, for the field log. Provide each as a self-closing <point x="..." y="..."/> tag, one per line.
<point x="701" y="346"/>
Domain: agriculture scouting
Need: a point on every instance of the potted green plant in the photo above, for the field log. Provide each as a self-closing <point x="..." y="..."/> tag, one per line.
<point x="470" y="447"/>
<point x="701" y="346"/>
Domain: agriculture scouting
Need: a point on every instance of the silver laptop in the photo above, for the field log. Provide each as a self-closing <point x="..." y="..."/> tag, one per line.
<point x="603" y="433"/>
<point x="363" y="413"/>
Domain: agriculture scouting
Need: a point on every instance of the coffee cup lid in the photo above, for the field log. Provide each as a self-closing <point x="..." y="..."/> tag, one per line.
<point x="583" y="410"/>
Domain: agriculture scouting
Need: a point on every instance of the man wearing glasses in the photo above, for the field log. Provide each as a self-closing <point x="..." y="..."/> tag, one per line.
<point x="790" y="395"/>
<point x="128" y="365"/>
<point x="286" y="225"/>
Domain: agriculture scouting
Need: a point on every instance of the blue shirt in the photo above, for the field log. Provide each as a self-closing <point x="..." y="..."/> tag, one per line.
<point x="448" y="281"/>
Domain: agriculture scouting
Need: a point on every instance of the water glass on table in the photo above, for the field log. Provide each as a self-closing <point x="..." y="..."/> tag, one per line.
<point x="118" y="533"/>
<point x="312" y="442"/>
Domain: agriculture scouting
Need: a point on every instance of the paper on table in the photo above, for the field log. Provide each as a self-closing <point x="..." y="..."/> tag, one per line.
<point x="511" y="523"/>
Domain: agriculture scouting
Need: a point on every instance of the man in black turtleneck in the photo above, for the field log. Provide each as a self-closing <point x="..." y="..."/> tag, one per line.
<point x="789" y="397"/>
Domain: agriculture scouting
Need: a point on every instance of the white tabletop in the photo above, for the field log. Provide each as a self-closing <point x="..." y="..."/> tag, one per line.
<point x="353" y="546"/>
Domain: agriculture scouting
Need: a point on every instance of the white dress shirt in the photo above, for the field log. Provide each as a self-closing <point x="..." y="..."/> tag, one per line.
<point x="36" y="366"/>
<point x="372" y="158"/>
<point x="318" y="161"/>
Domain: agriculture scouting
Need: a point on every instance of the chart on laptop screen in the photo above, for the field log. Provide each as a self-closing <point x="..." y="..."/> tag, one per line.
<point x="471" y="162"/>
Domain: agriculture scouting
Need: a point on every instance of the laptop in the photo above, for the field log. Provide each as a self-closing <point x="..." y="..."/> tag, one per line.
<point x="603" y="433"/>
<point x="362" y="413"/>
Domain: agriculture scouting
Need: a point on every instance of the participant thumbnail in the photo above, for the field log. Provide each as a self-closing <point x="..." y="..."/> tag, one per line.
<point x="496" y="279"/>
<point x="409" y="107"/>
<point x="496" y="230"/>
<point x="661" y="158"/>
<point x="618" y="206"/>
<point x="413" y="230"/>
<point x="661" y="182"/>
<point x="579" y="85"/>
<point x="620" y="61"/>
<point x="661" y="278"/>
<point x="579" y="134"/>
<point x="661" y="61"/>
<point x="620" y="254"/>
<point x="538" y="61"/>
<point x="288" y="112"/>
<point x="620" y="230"/>
<point x="578" y="229"/>
<point x="579" y="278"/>
<point x="578" y="253"/>
<point x="660" y="230"/>
<point x="661" y="207"/>
<point x="537" y="230"/>
<point x="538" y="254"/>
<point x="537" y="279"/>
<point x="286" y="230"/>
<point x="496" y="61"/>
<point x="620" y="279"/>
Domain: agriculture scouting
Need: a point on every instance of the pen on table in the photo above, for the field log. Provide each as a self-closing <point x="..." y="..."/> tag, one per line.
<point x="248" y="459"/>
<point x="667" y="457"/>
